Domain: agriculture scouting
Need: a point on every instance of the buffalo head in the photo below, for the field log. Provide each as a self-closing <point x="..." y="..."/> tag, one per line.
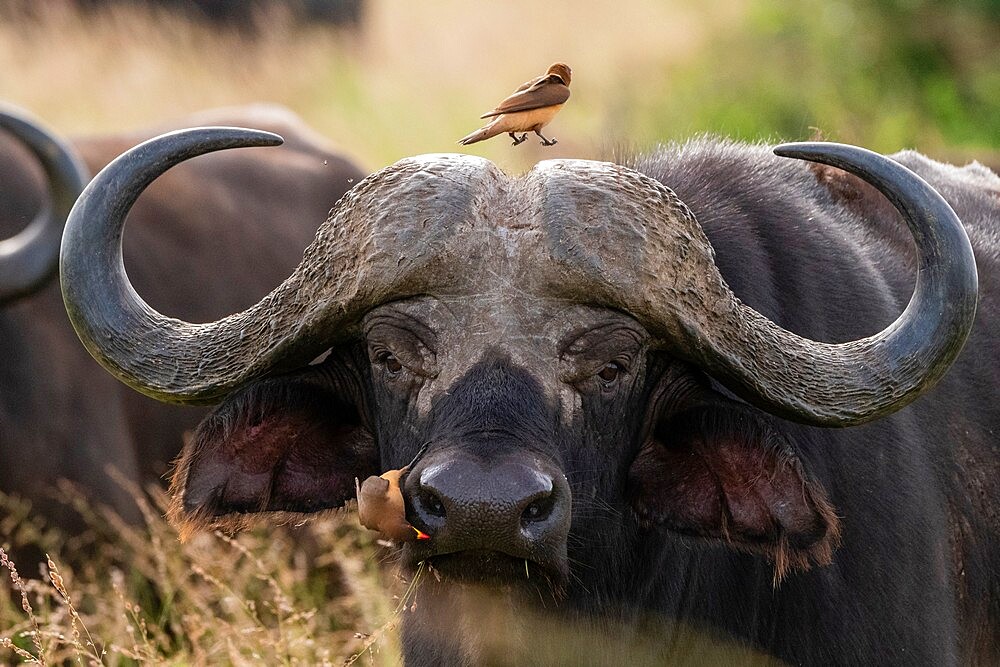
<point x="545" y="343"/>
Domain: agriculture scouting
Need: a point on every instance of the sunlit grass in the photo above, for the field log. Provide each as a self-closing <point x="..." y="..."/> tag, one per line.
<point x="122" y="594"/>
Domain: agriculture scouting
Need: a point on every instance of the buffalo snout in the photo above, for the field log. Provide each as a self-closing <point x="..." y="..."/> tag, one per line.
<point x="517" y="507"/>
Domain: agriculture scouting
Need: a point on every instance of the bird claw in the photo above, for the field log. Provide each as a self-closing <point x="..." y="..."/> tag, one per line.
<point x="548" y="142"/>
<point x="521" y="140"/>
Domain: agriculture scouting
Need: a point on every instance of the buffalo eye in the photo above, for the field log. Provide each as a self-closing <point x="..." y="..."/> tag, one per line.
<point x="610" y="373"/>
<point x="390" y="363"/>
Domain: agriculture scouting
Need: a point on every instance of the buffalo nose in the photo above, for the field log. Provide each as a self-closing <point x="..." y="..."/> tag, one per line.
<point x="519" y="507"/>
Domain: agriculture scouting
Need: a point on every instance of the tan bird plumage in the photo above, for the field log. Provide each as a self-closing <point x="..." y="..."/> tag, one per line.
<point x="381" y="507"/>
<point x="530" y="108"/>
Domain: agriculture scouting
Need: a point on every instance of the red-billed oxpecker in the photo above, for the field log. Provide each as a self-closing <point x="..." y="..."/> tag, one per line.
<point x="381" y="507"/>
<point x="530" y="108"/>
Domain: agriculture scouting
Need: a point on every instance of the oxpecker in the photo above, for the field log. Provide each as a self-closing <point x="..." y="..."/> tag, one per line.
<point x="530" y="108"/>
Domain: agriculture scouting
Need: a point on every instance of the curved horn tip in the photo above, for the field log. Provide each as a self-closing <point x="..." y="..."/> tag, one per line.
<point x="249" y="137"/>
<point x="814" y="151"/>
<point x="100" y="301"/>
<point x="11" y="113"/>
<point x="30" y="257"/>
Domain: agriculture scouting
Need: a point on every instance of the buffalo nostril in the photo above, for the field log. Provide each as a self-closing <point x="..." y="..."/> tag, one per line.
<point x="432" y="503"/>
<point x="538" y="509"/>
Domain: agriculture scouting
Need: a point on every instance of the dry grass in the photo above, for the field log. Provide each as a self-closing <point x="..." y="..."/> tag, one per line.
<point x="121" y="594"/>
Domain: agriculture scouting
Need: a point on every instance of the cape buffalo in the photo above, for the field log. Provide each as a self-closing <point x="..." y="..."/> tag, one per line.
<point x="246" y="217"/>
<point x="597" y="429"/>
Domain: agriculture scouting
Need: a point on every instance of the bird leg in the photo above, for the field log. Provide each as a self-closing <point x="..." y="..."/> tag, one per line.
<point x="524" y="137"/>
<point x="544" y="142"/>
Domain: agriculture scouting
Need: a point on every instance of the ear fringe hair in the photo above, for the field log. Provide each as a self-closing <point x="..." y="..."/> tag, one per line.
<point x="786" y="558"/>
<point x="188" y="524"/>
<point x="241" y="409"/>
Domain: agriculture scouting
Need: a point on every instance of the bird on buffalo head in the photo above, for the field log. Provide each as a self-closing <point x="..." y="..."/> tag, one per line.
<point x="530" y="108"/>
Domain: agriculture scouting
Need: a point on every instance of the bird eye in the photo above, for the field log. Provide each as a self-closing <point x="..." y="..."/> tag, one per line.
<point x="610" y="372"/>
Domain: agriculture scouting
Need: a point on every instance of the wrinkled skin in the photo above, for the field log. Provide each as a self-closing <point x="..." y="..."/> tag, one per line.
<point x="208" y="239"/>
<point x="669" y="505"/>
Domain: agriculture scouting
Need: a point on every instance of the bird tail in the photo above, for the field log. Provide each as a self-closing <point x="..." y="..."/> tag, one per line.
<point x="482" y="133"/>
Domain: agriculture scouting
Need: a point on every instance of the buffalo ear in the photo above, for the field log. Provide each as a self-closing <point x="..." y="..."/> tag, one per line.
<point x="282" y="448"/>
<point x="722" y="471"/>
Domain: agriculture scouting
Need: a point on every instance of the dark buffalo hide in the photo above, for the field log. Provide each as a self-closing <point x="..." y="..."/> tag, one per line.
<point x="572" y="469"/>
<point x="206" y="240"/>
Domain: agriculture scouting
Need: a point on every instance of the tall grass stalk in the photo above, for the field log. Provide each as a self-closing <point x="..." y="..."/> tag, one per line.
<point x="134" y="594"/>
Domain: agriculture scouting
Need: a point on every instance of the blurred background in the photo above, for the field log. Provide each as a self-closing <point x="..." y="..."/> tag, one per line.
<point x="385" y="79"/>
<point x="389" y="79"/>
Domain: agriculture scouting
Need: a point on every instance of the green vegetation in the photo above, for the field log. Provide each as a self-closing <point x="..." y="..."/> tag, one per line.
<point x="888" y="75"/>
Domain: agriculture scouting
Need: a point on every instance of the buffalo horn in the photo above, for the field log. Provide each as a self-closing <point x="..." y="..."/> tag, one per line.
<point x="30" y="258"/>
<point x="671" y="283"/>
<point x="351" y="266"/>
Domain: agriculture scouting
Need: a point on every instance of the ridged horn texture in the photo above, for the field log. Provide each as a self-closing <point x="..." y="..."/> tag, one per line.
<point x="664" y="274"/>
<point x="30" y="258"/>
<point x="367" y="253"/>
<point x="588" y="232"/>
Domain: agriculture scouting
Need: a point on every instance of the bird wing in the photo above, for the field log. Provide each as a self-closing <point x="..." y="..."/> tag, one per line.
<point x="542" y="92"/>
<point x="537" y="81"/>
